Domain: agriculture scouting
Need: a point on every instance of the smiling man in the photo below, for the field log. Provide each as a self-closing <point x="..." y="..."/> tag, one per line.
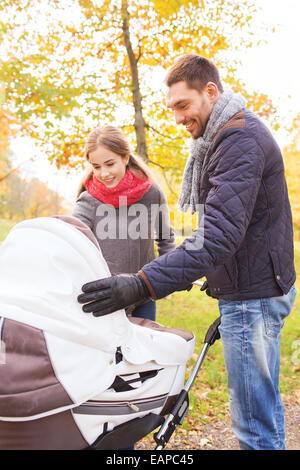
<point x="235" y="171"/>
<point x="191" y="108"/>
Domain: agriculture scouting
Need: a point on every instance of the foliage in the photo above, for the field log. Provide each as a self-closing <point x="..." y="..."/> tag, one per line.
<point x="70" y="66"/>
<point x="8" y="123"/>
<point x="5" y="227"/>
<point x="291" y="155"/>
<point x="28" y="199"/>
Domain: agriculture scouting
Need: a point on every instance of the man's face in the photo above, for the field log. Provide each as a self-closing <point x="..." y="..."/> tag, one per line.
<point x="191" y="108"/>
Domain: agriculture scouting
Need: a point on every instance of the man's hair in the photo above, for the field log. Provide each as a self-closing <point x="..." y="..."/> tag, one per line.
<point x="195" y="70"/>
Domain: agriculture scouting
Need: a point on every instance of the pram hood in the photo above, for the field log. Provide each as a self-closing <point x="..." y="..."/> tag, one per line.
<point x="44" y="263"/>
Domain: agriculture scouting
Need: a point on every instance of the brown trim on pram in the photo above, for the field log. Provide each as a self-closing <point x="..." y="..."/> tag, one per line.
<point x="81" y="226"/>
<point x="187" y="335"/>
<point x="28" y="385"/>
<point x="55" y="432"/>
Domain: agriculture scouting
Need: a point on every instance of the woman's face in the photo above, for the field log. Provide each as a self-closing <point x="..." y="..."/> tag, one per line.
<point x="108" y="167"/>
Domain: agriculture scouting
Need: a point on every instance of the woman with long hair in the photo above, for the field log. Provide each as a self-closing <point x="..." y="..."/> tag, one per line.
<point x="124" y="207"/>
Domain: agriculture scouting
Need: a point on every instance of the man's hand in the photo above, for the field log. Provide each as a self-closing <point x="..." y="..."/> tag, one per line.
<point x="113" y="293"/>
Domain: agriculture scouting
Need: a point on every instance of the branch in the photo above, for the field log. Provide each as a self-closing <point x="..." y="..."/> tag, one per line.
<point x="160" y="133"/>
<point x="110" y="44"/>
<point x="10" y="172"/>
<point x="164" y="169"/>
<point x="168" y="183"/>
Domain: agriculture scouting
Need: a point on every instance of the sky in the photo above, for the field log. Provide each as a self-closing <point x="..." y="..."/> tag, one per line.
<point x="272" y="68"/>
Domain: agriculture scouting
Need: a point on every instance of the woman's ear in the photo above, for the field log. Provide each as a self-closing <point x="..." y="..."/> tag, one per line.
<point x="127" y="158"/>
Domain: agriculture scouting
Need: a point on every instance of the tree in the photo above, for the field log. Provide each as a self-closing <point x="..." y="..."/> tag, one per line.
<point x="28" y="199"/>
<point x="72" y="65"/>
<point x="39" y="200"/>
<point x="6" y="120"/>
<point x="10" y="126"/>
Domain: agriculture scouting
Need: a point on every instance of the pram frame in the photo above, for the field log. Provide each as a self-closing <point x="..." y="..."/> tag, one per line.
<point x="138" y="428"/>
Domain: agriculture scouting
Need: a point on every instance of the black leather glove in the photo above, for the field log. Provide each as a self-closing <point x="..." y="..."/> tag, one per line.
<point x="206" y="289"/>
<point x="113" y="293"/>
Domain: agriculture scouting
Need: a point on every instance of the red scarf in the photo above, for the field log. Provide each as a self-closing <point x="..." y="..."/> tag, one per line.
<point x="131" y="189"/>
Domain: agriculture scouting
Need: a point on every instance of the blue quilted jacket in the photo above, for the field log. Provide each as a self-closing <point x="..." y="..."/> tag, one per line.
<point x="245" y="247"/>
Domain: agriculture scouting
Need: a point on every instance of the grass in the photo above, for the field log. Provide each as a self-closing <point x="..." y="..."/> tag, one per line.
<point x="195" y="311"/>
<point x="5" y="226"/>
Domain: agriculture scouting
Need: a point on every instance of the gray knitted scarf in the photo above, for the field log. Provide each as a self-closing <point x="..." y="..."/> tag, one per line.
<point x="226" y="106"/>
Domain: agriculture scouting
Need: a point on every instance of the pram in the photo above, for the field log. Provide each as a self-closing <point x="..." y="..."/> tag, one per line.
<point x="69" y="380"/>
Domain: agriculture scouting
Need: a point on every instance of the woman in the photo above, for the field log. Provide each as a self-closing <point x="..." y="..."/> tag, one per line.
<point x="126" y="210"/>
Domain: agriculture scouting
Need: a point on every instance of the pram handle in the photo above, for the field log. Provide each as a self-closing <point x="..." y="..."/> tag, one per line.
<point x="213" y="332"/>
<point x="181" y="406"/>
<point x="176" y="416"/>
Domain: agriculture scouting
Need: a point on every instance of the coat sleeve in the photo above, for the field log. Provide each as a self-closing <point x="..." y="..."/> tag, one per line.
<point x="84" y="210"/>
<point x="235" y="179"/>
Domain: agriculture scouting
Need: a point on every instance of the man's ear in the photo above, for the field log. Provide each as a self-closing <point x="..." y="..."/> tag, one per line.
<point x="212" y="92"/>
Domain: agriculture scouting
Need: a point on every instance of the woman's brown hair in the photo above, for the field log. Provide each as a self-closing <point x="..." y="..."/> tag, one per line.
<point x="114" y="140"/>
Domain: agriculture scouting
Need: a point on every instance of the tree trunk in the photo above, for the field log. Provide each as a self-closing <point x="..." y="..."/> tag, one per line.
<point x="139" y="123"/>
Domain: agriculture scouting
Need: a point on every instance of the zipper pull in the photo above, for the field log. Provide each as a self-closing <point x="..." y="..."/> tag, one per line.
<point x="133" y="407"/>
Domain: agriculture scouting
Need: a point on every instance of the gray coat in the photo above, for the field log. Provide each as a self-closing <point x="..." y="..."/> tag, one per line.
<point x="126" y="235"/>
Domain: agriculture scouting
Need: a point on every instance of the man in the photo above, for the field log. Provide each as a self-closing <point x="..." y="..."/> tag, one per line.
<point x="245" y="248"/>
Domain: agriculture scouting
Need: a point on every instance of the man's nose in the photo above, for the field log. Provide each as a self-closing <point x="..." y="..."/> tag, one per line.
<point x="179" y="117"/>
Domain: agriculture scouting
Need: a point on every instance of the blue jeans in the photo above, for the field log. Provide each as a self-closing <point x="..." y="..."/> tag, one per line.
<point x="147" y="310"/>
<point x="251" y="334"/>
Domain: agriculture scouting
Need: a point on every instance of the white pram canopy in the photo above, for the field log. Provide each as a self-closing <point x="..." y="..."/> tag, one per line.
<point x="55" y="357"/>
